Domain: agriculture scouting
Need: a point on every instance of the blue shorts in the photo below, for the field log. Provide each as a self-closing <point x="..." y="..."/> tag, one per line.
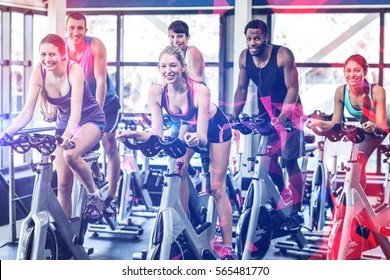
<point x="112" y="120"/>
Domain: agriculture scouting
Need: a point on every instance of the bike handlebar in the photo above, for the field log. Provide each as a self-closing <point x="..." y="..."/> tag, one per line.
<point x="253" y="125"/>
<point x="132" y="120"/>
<point x="154" y="145"/>
<point x="45" y="144"/>
<point x="342" y="131"/>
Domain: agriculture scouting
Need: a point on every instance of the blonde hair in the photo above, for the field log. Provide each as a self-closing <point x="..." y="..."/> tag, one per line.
<point x="175" y="51"/>
<point x="48" y="110"/>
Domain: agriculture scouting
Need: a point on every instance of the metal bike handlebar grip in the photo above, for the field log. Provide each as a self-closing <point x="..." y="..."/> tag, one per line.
<point x="19" y="145"/>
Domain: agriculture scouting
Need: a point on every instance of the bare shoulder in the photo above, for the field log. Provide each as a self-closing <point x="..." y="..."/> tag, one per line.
<point x="155" y="91"/>
<point x="378" y="89"/>
<point x="285" y="56"/>
<point x="192" y="50"/>
<point x="97" y="45"/>
<point x="378" y="92"/>
<point x="200" y="87"/>
<point x="36" y="75"/>
<point x="339" y="92"/>
<point x="75" y="67"/>
<point x="242" y="59"/>
<point x="75" y="72"/>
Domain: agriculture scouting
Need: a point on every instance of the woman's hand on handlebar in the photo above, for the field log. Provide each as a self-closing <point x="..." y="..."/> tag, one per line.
<point x="369" y="126"/>
<point x="310" y="123"/>
<point x="122" y="134"/>
<point x="191" y="139"/>
<point x="66" y="142"/>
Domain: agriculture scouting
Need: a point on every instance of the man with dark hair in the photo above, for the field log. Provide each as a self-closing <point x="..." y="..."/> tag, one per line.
<point x="91" y="54"/>
<point x="272" y="68"/>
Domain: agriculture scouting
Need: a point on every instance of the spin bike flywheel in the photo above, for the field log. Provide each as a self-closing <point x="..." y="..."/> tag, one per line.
<point x="50" y="248"/>
<point x="262" y="237"/>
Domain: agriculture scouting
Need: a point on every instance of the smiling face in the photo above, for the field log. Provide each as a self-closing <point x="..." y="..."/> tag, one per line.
<point x="171" y="68"/>
<point x="50" y="56"/>
<point x="354" y="73"/>
<point x="256" y="41"/>
<point x="178" y="39"/>
<point x="76" y="30"/>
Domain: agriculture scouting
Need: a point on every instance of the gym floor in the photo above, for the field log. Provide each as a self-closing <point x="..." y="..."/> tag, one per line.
<point x="109" y="246"/>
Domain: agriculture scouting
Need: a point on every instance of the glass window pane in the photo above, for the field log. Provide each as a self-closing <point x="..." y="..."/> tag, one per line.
<point x="40" y="30"/>
<point x="103" y="27"/>
<point x="17" y="36"/>
<point x="328" y="37"/>
<point x="111" y="70"/>
<point x="145" y="36"/>
<point x="387" y="38"/>
<point x="136" y="84"/>
<point x="17" y="99"/>
<point x="1" y="36"/>
<point x="212" y="81"/>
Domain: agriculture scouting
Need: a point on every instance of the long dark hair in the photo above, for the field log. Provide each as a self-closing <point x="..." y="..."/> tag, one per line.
<point x="48" y="110"/>
<point x="366" y="109"/>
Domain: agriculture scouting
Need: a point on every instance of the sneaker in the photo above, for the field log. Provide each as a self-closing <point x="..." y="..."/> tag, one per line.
<point x="93" y="207"/>
<point x="110" y="206"/>
<point x="294" y="222"/>
<point x="228" y="253"/>
<point x="100" y="182"/>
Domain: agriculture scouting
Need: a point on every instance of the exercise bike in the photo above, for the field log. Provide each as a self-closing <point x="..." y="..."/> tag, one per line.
<point x="322" y="194"/>
<point x="324" y="185"/>
<point x="132" y="187"/>
<point x="173" y="235"/>
<point x="357" y="225"/>
<point x="47" y="233"/>
<point x="264" y="209"/>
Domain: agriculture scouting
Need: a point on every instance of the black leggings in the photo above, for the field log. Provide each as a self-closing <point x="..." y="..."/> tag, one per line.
<point x="369" y="145"/>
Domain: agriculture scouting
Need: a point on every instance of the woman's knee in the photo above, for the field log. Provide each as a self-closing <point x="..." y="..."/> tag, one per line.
<point x="64" y="188"/>
<point x="71" y="158"/>
<point x="218" y="186"/>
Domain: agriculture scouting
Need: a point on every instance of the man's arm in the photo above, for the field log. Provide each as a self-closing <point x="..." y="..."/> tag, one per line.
<point x="242" y="87"/>
<point x="287" y="61"/>
<point x="100" y="70"/>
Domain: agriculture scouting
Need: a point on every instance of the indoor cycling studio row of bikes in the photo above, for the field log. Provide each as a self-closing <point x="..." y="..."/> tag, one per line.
<point x="341" y="222"/>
